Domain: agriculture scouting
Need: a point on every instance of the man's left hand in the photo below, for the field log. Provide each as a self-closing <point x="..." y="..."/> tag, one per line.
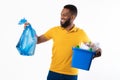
<point x="98" y="53"/>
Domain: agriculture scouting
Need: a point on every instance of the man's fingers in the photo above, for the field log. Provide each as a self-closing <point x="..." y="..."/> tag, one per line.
<point x="26" y="24"/>
<point x="98" y="53"/>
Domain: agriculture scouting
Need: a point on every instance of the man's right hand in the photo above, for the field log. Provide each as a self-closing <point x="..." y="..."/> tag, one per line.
<point x="27" y="23"/>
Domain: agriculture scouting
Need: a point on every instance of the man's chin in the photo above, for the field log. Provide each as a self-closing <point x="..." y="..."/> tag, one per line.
<point x="62" y="23"/>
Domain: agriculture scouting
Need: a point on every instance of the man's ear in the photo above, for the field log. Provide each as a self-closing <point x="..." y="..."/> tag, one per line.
<point x="73" y="17"/>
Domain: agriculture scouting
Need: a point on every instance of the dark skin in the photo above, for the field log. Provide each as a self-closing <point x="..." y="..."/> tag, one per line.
<point x="65" y="15"/>
<point x="98" y="53"/>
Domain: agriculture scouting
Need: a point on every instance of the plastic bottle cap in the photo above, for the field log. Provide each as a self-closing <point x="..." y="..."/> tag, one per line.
<point x="77" y="46"/>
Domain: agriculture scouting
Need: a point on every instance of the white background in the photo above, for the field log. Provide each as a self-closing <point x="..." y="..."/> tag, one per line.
<point x="99" y="18"/>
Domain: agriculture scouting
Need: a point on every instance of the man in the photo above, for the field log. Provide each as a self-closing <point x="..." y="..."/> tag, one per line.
<point x="65" y="36"/>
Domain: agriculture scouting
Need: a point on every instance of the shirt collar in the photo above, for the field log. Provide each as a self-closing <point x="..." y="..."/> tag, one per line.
<point x="74" y="29"/>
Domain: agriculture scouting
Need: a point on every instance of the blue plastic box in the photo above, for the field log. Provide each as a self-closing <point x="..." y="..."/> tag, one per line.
<point x="81" y="58"/>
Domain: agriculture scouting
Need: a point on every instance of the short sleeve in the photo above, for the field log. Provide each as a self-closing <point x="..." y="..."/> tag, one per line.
<point x="85" y="37"/>
<point x="49" y="33"/>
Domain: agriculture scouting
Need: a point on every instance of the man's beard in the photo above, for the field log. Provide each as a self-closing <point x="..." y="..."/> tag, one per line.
<point x="66" y="24"/>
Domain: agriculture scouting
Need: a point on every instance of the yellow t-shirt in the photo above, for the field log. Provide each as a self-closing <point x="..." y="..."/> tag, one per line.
<point x="63" y="41"/>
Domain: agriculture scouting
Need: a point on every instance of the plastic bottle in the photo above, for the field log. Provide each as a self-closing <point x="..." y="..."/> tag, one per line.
<point x="84" y="46"/>
<point x="96" y="46"/>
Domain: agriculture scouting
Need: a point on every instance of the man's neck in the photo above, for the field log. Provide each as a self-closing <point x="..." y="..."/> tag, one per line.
<point x="69" y="27"/>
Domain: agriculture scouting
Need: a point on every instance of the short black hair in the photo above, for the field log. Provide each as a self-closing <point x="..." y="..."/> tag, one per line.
<point x="72" y="8"/>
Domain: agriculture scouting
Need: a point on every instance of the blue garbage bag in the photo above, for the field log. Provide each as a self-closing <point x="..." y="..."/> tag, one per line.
<point x="27" y="42"/>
